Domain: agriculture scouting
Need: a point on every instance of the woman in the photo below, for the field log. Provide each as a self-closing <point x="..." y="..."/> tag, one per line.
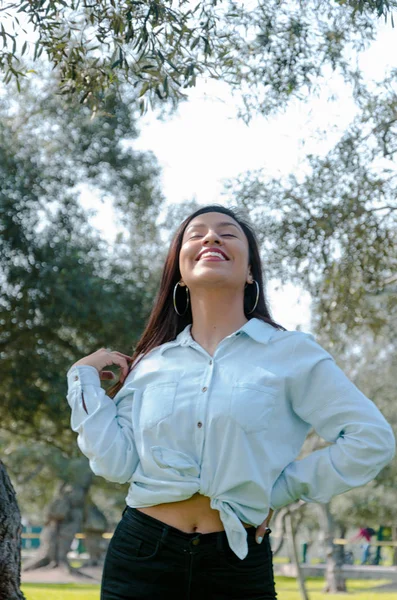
<point x="207" y="424"/>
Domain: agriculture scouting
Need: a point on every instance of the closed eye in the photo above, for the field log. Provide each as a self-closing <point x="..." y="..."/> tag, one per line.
<point x="192" y="237"/>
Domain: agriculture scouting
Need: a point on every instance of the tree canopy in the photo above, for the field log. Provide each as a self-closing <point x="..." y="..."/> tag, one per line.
<point x="270" y="51"/>
<point x="332" y="229"/>
<point x="65" y="292"/>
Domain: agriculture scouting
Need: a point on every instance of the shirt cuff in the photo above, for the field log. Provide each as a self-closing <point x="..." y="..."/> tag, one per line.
<point x="84" y="374"/>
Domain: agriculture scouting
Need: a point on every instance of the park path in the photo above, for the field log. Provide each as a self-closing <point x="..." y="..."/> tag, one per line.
<point x="57" y="575"/>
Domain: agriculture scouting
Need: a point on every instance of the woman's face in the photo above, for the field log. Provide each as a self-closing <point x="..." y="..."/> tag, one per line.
<point x="228" y="261"/>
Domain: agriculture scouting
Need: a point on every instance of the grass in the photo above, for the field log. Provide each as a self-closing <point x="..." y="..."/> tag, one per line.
<point x="287" y="589"/>
<point x="54" y="591"/>
<point x="358" y="589"/>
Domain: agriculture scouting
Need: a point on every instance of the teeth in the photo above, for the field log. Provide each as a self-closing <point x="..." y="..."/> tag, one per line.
<point x="213" y="254"/>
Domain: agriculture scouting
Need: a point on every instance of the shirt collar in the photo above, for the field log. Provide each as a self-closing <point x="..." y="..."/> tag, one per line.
<point x="255" y="328"/>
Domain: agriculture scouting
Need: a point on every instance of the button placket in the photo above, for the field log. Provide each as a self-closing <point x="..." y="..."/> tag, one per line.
<point x="203" y="404"/>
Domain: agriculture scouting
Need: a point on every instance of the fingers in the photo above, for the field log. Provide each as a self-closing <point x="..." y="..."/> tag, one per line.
<point x="127" y="356"/>
<point x="123" y="362"/>
<point x="102" y="358"/>
<point x="261" y="531"/>
<point x="124" y="355"/>
<point x="118" y="358"/>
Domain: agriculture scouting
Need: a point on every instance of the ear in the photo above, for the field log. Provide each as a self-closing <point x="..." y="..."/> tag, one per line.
<point x="250" y="278"/>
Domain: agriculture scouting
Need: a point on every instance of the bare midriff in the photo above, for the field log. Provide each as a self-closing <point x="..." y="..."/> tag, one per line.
<point x="192" y="515"/>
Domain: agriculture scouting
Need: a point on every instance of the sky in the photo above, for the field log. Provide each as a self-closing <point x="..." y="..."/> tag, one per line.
<point x="205" y="143"/>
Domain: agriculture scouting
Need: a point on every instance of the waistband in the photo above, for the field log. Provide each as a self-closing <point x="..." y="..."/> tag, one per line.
<point x="174" y="535"/>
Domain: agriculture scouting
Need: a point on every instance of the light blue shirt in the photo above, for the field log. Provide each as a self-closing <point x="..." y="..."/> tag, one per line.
<point x="230" y="426"/>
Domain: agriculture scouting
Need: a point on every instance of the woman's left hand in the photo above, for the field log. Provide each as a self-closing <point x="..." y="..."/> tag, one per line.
<point x="261" y="530"/>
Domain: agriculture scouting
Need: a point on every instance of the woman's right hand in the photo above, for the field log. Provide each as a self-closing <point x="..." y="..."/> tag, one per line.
<point x="104" y="358"/>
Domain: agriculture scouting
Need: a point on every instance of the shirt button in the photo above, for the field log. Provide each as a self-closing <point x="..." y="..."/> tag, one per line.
<point x="76" y="377"/>
<point x="210" y="362"/>
<point x="199" y="424"/>
<point x="204" y="389"/>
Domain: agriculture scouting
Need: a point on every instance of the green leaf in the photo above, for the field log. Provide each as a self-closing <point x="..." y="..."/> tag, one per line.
<point x="23" y="7"/>
<point x="195" y="42"/>
<point x="144" y="89"/>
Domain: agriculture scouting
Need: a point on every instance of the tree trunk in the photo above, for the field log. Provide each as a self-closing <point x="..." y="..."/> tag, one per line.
<point x="334" y="578"/>
<point x="294" y="552"/>
<point x="340" y="548"/>
<point x="65" y="517"/>
<point x="10" y="540"/>
<point x="95" y="524"/>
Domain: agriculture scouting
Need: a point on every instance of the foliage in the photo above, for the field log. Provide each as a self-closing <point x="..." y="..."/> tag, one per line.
<point x="64" y="292"/>
<point x="270" y="51"/>
<point x="332" y="229"/>
<point x="373" y="364"/>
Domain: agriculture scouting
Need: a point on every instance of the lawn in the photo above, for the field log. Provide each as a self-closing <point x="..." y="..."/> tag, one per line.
<point x="69" y="591"/>
<point x="287" y="590"/>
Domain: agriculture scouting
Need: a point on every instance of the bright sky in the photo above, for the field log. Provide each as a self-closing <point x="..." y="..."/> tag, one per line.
<point x="204" y="143"/>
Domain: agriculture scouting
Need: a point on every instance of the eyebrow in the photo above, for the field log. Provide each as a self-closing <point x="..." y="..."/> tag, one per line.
<point x="223" y="224"/>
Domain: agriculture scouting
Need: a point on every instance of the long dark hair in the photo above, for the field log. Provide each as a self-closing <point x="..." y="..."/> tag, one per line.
<point x="164" y="323"/>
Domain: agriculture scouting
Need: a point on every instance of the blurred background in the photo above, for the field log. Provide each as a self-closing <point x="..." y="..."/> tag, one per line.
<point x="287" y="111"/>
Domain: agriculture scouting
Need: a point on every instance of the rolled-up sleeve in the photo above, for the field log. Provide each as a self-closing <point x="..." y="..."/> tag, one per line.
<point x="361" y="440"/>
<point x="104" y="426"/>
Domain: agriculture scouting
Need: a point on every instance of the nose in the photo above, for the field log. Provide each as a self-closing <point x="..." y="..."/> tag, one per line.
<point x="211" y="238"/>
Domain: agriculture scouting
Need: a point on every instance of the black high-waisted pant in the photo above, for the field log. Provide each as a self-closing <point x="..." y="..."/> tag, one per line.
<point x="147" y="559"/>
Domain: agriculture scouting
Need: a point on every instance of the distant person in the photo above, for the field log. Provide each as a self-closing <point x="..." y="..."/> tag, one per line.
<point x="307" y="542"/>
<point x="365" y="533"/>
<point x="208" y="420"/>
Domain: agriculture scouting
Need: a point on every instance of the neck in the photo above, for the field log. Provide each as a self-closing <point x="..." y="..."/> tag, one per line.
<point x="216" y="314"/>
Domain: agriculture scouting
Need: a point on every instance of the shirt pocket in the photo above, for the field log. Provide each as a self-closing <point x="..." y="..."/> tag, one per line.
<point x="252" y="405"/>
<point x="157" y="403"/>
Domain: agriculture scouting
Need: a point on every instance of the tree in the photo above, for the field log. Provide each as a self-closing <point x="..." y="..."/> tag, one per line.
<point x="64" y="516"/>
<point x="64" y="293"/>
<point x="374" y="365"/>
<point x="10" y="536"/>
<point x="271" y="52"/>
<point x="332" y="229"/>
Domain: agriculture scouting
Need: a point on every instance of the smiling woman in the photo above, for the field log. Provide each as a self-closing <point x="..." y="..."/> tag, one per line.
<point x="214" y="265"/>
<point x="208" y="420"/>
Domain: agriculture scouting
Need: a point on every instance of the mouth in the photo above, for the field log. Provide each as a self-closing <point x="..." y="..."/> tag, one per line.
<point x="216" y="255"/>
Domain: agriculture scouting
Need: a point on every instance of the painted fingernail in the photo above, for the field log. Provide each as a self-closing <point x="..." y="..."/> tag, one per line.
<point x="259" y="540"/>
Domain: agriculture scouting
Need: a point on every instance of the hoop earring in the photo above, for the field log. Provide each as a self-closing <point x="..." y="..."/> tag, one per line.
<point x="174" y="299"/>
<point x="257" y="296"/>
